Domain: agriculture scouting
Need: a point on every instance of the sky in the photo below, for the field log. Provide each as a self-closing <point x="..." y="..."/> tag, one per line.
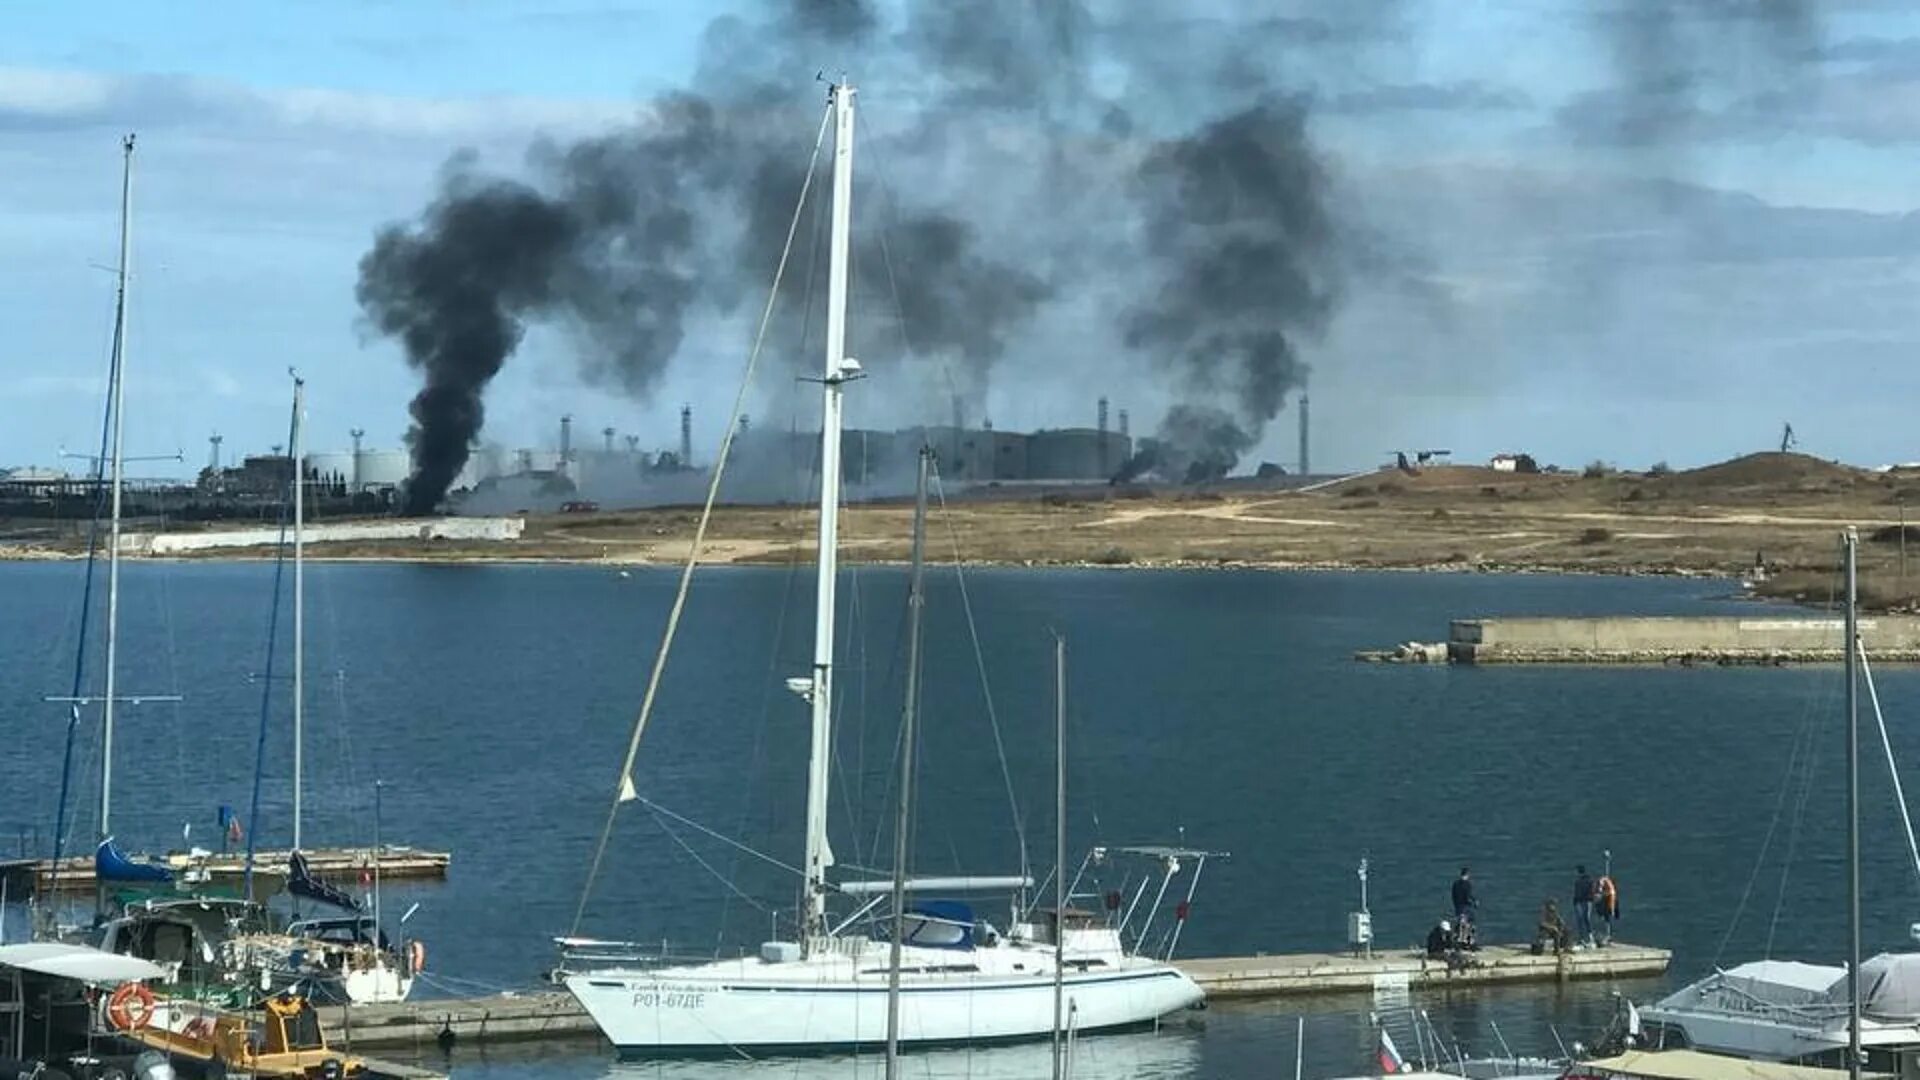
<point x="1569" y="228"/>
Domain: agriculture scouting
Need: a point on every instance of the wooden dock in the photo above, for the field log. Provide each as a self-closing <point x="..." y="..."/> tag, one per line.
<point x="424" y="1026"/>
<point x="75" y="872"/>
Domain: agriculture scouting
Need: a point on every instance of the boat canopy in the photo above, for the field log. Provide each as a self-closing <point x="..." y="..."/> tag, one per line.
<point x="1694" y="1065"/>
<point x="79" y="962"/>
<point x="1889" y="986"/>
<point x="940" y="924"/>
<point x="112" y="864"/>
<point x="301" y="882"/>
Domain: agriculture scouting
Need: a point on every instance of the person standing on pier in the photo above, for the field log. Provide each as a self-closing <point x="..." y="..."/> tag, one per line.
<point x="1463" y="899"/>
<point x="1583" y="906"/>
<point x="1606" y="904"/>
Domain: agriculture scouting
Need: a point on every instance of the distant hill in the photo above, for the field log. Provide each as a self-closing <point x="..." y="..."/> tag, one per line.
<point x="1771" y="470"/>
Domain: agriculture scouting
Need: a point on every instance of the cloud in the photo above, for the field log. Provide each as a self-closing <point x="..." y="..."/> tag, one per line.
<point x="46" y="99"/>
<point x="1468" y="96"/>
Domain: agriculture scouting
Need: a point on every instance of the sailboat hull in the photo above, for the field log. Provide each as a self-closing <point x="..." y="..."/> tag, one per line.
<point x="727" y="1008"/>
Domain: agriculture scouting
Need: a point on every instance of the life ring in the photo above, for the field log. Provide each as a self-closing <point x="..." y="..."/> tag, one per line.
<point x="416" y="955"/>
<point x="131" y="1006"/>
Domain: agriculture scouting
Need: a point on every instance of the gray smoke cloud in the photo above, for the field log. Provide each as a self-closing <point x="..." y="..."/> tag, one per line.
<point x="1219" y="253"/>
<point x="1689" y="71"/>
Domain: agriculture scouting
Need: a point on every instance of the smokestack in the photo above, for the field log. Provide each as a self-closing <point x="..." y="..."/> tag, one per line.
<point x="1106" y="467"/>
<point x="213" y="459"/>
<point x="606" y="433"/>
<point x="566" y="441"/>
<point x="356" y="433"/>
<point x="686" y="436"/>
<point x="1304" y="461"/>
<point x="1126" y="429"/>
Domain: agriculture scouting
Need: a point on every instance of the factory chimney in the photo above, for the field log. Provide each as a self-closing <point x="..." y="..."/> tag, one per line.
<point x="1305" y="462"/>
<point x="213" y="459"/>
<point x="566" y="441"/>
<point x="686" y="436"/>
<point x="1125" y="428"/>
<point x="357" y="433"/>
<point x="1106" y="467"/>
<point x="606" y="433"/>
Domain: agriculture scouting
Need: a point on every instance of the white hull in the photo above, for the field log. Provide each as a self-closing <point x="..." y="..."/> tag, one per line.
<point x="832" y="1003"/>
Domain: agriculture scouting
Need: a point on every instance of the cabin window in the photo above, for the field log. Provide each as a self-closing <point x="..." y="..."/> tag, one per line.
<point x="303" y="1030"/>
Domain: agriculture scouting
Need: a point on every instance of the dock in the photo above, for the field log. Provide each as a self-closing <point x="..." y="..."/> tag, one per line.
<point x="1334" y="973"/>
<point x="423" y="1026"/>
<point x="1687" y="641"/>
<point x="75" y="873"/>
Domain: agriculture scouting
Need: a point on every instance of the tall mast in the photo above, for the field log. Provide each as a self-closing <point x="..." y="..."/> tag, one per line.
<point x="116" y="394"/>
<point x="909" y="716"/>
<point x="1059" y="853"/>
<point x="839" y="369"/>
<point x="1850" y="544"/>
<point x="299" y="600"/>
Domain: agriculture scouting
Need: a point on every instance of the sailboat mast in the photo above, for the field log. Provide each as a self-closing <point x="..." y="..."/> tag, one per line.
<point x="839" y="369"/>
<point x="116" y="395"/>
<point x="299" y="600"/>
<point x="1850" y="544"/>
<point x="1059" y="853"/>
<point x="909" y="717"/>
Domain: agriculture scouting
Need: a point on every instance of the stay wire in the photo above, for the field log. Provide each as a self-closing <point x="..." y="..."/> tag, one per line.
<point x="966" y="603"/>
<point x="623" y="784"/>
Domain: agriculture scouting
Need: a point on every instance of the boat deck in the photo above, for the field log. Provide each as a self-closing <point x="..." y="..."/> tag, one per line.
<point x="433" y="1025"/>
<point x="75" y="873"/>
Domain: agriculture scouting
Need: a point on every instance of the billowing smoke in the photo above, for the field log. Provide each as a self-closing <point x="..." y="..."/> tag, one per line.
<point x="1689" y="71"/>
<point x="1196" y="444"/>
<point x="623" y="242"/>
<point x="1243" y="245"/>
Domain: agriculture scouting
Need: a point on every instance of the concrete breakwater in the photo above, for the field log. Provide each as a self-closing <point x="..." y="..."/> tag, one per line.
<point x="1702" y="640"/>
<point x="420" y="529"/>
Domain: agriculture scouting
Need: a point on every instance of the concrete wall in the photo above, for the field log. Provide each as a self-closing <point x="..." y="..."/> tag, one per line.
<point x="1655" y="638"/>
<point x="493" y="529"/>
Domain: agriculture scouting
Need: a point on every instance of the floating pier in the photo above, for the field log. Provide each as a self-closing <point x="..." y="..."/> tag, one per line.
<point x="424" y="1026"/>
<point x="75" y="873"/>
<point x="1332" y="973"/>
<point x="1681" y="640"/>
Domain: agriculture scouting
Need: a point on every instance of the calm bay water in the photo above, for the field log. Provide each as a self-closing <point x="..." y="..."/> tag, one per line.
<point x="494" y="702"/>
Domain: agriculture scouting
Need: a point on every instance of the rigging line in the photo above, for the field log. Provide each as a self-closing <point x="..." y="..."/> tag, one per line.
<point x="625" y="782"/>
<point x="966" y="603"/>
<point x="980" y="664"/>
<point x="1893" y="770"/>
<point x="252" y="824"/>
<point x="86" y="604"/>
<point x="704" y="865"/>
<point x="1800" y="738"/>
<point x="1793" y="836"/>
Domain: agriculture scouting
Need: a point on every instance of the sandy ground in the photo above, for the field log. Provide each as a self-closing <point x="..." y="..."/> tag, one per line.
<point x="1783" y="510"/>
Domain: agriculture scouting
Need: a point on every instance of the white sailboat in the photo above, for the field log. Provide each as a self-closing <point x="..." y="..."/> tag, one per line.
<point x="955" y="981"/>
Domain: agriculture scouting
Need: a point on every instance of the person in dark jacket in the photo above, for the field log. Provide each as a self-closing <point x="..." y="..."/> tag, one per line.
<point x="1464" y="902"/>
<point x="1583" y="906"/>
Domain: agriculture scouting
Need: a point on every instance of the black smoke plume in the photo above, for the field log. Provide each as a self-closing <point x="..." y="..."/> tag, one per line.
<point x="1195" y="444"/>
<point x="999" y="204"/>
<point x="1244" y="249"/>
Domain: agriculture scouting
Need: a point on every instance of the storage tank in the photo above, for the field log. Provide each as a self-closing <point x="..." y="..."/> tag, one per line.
<point x="384" y="468"/>
<point x="332" y="468"/>
<point x="1066" y="454"/>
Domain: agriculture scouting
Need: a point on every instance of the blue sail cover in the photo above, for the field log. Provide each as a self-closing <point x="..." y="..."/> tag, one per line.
<point x="940" y="924"/>
<point x="301" y="882"/>
<point x="111" y="864"/>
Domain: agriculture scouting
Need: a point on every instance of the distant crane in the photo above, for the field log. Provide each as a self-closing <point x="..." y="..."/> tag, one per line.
<point x="1787" y="441"/>
<point x="1419" y="457"/>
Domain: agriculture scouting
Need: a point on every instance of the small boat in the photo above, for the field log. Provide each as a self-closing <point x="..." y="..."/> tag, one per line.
<point x="1785" y="1011"/>
<point x="279" y="1037"/>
